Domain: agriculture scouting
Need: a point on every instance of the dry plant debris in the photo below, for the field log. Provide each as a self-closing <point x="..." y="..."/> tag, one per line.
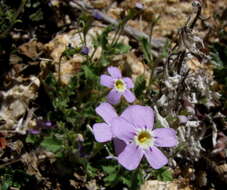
<point x="164" y="50"/>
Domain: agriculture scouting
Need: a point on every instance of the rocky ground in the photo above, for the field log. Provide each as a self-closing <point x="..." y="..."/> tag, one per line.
<point x="184" y="84"/>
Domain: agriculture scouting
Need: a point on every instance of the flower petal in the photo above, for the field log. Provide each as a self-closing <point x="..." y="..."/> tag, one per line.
<point x="122" y="129"/>
<point x="128" y="82"/>
<point x="114" y="72"/>
<point x="114" y="97"/>
<point x="34" y="131"/>
<point x="182" y="119"/>
<point x="106" y="111"/>
<point x="130" y="157"/>
<point x="165" y="137"/>
<point x="102" y="132"/>
<point x="140" y="116"/>
<point x="119" y="145"/>
<point x="129" y="96"/>
<point x="107" y="81"/>
<point x="155" y="158"/>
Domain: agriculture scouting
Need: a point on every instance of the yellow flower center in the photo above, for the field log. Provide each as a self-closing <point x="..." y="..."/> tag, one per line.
<point x="119" y="85"/>
<point x="144" y="136"/>
<point x="144" y="139"/>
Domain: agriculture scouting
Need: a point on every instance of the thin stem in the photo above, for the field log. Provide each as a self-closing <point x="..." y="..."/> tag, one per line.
<point x="9" y="163"/>
<point x="134" y="180"/>
<point x="93" y="53"/>
<point x="59" y="70"/>
<point x="115" y="35"/>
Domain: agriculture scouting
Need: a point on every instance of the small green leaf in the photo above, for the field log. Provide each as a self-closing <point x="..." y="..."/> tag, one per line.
<point x="126" y="181"/>
<point x="91" y="170"/>
<point x="102" y="39"/>
<point x="109" y="169"/>
<point x="121" y="48"/>
<point x="89" y="73"/>
<point x="37" y="16"/>
<point x="140" y="85"/>
<point x="104" y="61"/>
<point x="111" y="178"/>
<point x="6" y="185"/>
<point x="146" y="49"/>
<point x="52" y="144"/>
<point x="69" y="52"/>
<point x="31" y="139"/>
<point x="164" y="174"/>
<point x="167" y="176"/>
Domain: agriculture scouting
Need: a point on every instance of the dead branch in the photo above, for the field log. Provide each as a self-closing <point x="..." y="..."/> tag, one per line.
<point x="83" y="6"/>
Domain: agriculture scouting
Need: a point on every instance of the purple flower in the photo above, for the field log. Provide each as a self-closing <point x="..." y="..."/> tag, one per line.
<point x="120" y="86"/>
<point x="97" y="15"/>
<point x="40" y="125"/>
<point x="85" y="50"/>
<point x="103" y="131"/>
<point x="134" y="127"/>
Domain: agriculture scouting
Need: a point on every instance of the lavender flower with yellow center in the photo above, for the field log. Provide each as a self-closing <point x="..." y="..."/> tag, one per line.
<point x="119" y="85"/>
<point x="134" y="127"/>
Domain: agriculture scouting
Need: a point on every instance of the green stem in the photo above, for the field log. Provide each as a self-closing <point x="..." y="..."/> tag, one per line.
<point x="96" y="150"/>
<point x="134" y="180"/>
<point x="93" y="53"/>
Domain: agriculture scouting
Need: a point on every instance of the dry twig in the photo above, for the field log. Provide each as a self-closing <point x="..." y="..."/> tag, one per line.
<point x="82" y="6"/>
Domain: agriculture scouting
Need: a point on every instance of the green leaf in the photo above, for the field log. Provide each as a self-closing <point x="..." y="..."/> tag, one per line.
<point x="102" y="39"/>
<point x="146" y="49"/>
<point x="111" y="178"/>
<point x="6" y="185"/>
<point x="109" y="169"/>
<point x="126" y="181"/>
<point x="164" y="174"/>
<point x="91" y="171"/>
<point x="37" y="16"/>
<point x="158" y="124"/>
<point x="121" y="48"/>
<point x="89" y="73"/>
<point x="216" y="60"/>
<point x="69" y="52"/>
<point x="140" y="85"/>
<point x="31" y="139"/>
<point x="52" y="144"/>
<point x="104" y="61"/>
<point x="60" y="103"/>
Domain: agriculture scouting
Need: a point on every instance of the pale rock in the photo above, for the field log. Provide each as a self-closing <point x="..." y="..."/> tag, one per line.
<point x="16" y="101"/>
<point x="159" y="185"/>
<point x="137" y="66"/>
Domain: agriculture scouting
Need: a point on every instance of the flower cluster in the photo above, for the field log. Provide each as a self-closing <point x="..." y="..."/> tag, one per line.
<point x="132" y="132"/>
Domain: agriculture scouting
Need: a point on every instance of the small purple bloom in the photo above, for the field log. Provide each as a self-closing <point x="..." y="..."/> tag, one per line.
<point x="120" y="86"/>
<point x="34" y="131"/>
<point x="134" y="127"/>
<point x="48" y="124"/>
<point x="96" y="14"/>
<point x="40" y="125"/>
<point x="85" y="50"/>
